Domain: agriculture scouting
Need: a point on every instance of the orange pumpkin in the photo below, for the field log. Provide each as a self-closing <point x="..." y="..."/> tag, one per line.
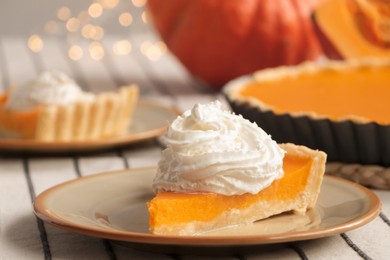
<point x="218" y="40"/>
<point x="355" y="28"/>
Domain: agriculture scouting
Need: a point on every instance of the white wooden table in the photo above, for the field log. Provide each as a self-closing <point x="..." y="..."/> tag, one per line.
<point x="23" y="236"/>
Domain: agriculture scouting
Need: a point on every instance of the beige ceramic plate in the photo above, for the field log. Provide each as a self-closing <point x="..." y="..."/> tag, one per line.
<point x="150" y="120"/>
<point x="113" y="206"/>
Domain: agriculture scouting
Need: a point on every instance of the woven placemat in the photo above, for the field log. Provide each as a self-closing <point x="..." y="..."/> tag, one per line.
<point x="372" y="176"/>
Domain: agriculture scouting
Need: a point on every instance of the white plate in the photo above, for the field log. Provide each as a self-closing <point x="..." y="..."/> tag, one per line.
<point x="113" y="206"/>
<point x="149" y="121"/>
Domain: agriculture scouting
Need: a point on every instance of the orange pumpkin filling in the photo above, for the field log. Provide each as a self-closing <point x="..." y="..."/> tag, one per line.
<point x="363" y="93"/>
<point x="169" y="208"/>
<point x="23" y="123"/>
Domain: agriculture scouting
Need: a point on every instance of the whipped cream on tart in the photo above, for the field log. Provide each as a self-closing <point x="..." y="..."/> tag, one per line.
<point x="53" y="107"/>
<point x="49" y="88"/>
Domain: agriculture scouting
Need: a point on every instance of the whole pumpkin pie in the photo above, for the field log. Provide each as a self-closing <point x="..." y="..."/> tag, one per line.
<point x="53" y="108"/>
<point x="339" y="107"/>
<point x="219" y="170"/>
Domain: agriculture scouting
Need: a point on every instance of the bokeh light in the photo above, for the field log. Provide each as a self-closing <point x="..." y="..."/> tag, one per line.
<point x="122" y="47"/>
<point x="88" y="31"/>
<point x="75" y="52"/>
<point x="153" y="51"/>
<point x="125" y="19"/>
<point x="35" y="43"/>
<point x="63" y="13"/>
<point x="96" y="50"/>
<point x="73" y="24"/>
<point x="95" y="10"/>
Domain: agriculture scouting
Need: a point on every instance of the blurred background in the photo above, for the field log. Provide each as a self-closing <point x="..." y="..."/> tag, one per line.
<point x="20" y="17"/>
<point x="82" y="26"/>
<point x="105" y="43"/>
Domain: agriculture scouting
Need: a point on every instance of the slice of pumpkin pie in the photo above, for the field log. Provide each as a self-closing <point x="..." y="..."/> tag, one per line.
<point x="220" y="170"/>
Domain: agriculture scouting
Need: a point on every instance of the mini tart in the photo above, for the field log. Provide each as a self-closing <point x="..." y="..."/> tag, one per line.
<point x="106" y="115"/>
<point x="195" y="213"/>
<point x="339" y="107"/>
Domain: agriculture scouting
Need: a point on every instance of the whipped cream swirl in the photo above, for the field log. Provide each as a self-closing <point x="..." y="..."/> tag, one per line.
<point x="50" y="88"/>
<point x="211" y="150"/>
